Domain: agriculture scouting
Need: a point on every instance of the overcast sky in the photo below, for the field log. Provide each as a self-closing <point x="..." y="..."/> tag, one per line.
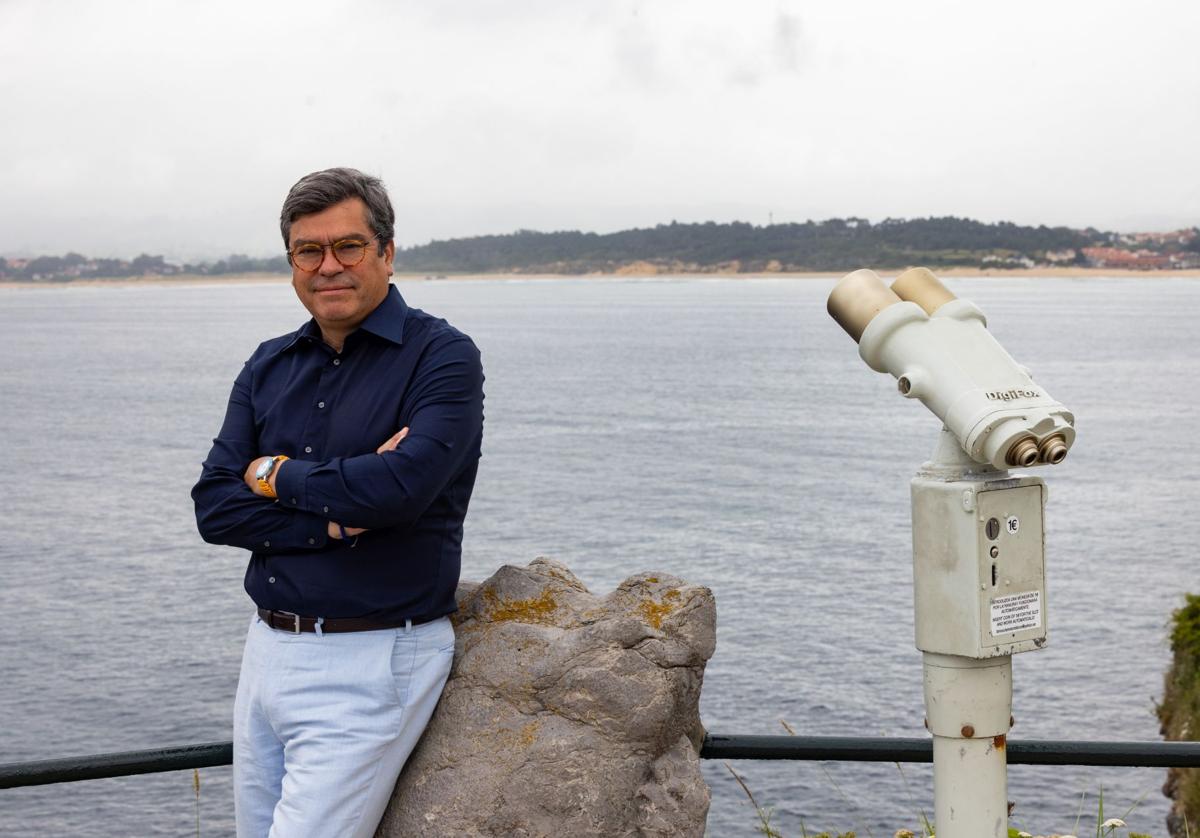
<point x="177" y="127"/>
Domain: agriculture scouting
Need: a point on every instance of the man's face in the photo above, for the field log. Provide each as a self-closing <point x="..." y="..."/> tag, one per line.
<point x="339" y="298"/>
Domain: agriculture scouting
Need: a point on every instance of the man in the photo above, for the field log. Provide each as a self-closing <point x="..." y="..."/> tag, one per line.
<point x="345" y="464"/>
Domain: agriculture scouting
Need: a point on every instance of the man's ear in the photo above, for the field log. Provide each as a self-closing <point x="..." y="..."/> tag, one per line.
<point x="389" y="253"/>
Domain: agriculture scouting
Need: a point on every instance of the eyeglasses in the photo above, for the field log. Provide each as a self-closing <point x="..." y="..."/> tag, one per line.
<point x="348" y="252"/>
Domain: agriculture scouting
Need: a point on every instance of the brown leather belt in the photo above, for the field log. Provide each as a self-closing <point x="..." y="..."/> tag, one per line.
<point x="287" y="621"/>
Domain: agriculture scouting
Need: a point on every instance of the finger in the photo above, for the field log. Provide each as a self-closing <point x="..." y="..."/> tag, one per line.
<point x="391" y="444"/>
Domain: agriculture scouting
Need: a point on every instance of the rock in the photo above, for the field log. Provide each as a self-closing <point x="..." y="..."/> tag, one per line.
<point x="565" y="714"/>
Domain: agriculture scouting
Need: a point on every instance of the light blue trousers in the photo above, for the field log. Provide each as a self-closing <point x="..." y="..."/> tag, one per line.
<point x="323" y="724"/>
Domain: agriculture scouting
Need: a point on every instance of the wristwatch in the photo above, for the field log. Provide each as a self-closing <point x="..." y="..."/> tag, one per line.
<point x="263" y="473"/>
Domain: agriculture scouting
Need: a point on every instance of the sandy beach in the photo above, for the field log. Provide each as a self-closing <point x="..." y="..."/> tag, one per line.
<point x="951" y="273"/>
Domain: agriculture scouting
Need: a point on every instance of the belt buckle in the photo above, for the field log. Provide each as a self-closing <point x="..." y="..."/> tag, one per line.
<point x="295" y="620"/>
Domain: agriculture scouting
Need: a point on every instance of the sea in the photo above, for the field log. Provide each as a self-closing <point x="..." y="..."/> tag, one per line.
<point x="722" y="430"/>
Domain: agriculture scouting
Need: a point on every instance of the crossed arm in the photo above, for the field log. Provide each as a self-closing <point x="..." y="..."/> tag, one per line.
<point x="333" y="529"/>
<point x="390" y="487"/>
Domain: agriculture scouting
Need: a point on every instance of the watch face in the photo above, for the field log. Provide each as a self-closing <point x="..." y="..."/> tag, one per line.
<point x="264" y="468"/>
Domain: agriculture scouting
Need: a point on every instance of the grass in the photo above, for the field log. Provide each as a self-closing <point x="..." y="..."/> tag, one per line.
<point x="1105" y="828"/>
<point x="196" y="789"/>
<point x="764" y="815"/>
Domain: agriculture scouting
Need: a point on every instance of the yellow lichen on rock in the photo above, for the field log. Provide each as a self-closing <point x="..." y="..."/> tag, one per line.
<point x="539" y="609"/>
<point x="654" y="612"/>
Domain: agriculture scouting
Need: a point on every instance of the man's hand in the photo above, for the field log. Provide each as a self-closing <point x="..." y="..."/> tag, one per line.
<point x="334" y="529"/>
<point x="391" y="444"/>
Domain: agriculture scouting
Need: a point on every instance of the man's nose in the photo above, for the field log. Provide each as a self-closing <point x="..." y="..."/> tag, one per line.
<point x="329" y="263"/>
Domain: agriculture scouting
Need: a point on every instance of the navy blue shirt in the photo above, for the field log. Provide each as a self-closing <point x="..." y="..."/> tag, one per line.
<point x="328" y="412"/>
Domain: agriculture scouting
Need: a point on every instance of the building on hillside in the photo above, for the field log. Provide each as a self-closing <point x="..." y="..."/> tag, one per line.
<point x="1116" y="257"/>
<point x="1057" y="257"/>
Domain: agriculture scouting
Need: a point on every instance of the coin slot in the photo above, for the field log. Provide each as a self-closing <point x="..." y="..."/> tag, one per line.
<point x="993" y="574"/>
<point x="992" y="529"/>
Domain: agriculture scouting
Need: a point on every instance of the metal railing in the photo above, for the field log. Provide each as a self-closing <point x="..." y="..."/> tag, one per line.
<point x="716" y="746"/>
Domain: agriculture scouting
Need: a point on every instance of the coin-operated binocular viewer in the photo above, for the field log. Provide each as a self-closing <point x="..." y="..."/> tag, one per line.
<point x="979" y="577"/>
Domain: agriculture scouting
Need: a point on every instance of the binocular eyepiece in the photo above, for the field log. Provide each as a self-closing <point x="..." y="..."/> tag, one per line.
<point x="940" y="351"/>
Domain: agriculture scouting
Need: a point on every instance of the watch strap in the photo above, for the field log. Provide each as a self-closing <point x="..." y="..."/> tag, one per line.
<point x="264" y="482"/>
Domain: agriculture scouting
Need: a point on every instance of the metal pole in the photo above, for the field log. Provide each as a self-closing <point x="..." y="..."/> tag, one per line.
<point x="121" y="764"/>
<point x="969" y="704"/>
<point x="912" y="749"/>
<point x="716" y="746"/>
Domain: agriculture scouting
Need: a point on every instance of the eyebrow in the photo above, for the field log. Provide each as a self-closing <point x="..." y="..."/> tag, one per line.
<point x="335" y="240"/>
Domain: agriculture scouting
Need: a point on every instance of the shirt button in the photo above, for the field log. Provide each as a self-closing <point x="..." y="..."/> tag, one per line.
<point x="308" y="449"/>
<point x="337" y="362"/>
<point x="324" y="508"/>
<point x="272" y="580"/>
<point x="320" y="404"/>
<point x="312" y="541"/>
<point x="266" y="544"/>
<point x="293" y="501"/>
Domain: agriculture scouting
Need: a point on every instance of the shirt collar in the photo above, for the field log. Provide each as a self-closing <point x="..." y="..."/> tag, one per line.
<point x="386" y="321"/>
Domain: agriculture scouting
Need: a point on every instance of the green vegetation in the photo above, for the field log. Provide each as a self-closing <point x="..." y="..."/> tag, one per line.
<point x="833" y="245"/>
<point x="1179" y="713"/>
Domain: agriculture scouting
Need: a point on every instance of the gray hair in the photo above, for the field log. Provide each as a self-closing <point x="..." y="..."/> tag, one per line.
<point x="321" y="190"/>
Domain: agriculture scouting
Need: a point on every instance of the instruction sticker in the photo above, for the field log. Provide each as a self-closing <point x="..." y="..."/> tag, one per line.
<point x="1016" y="612"/>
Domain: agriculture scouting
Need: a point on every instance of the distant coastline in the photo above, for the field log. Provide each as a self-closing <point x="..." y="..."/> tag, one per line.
<point x="1073" y="272"/>
<point x="951" y="246"/>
